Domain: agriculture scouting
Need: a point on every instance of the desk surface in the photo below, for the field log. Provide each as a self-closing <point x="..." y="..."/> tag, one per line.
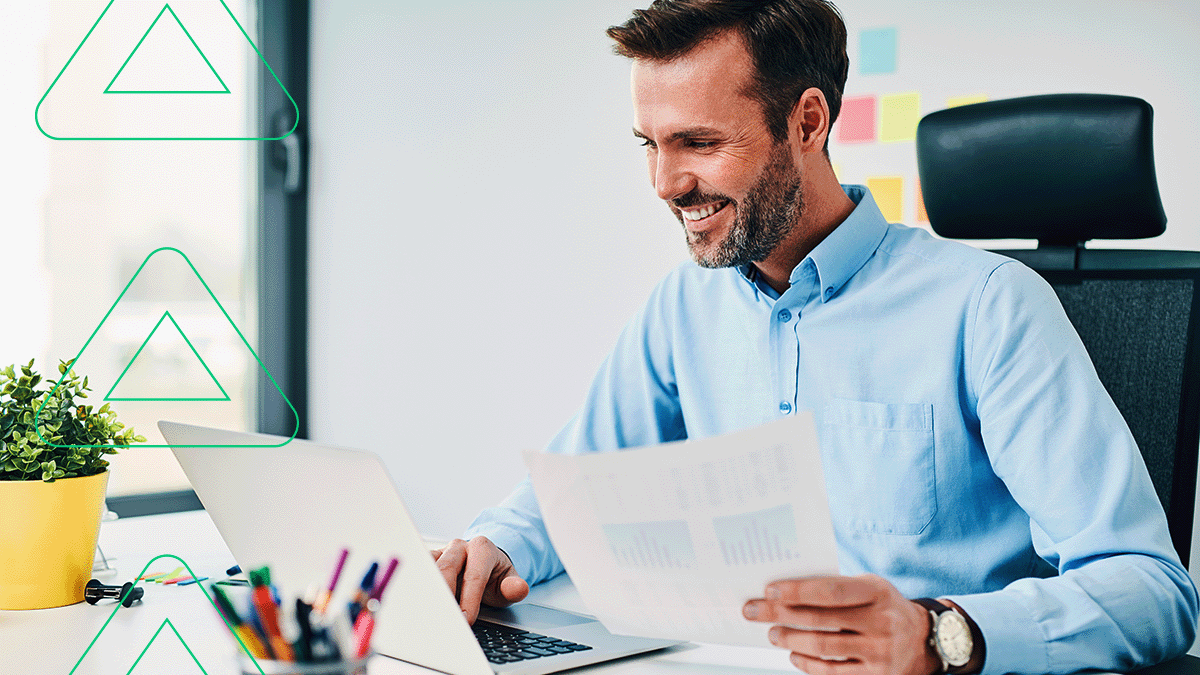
<point x="52" y="641"/>
<point x="83" y="639"/>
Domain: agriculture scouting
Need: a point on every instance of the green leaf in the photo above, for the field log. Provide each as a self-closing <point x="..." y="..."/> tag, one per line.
<point x="140" y="439"/>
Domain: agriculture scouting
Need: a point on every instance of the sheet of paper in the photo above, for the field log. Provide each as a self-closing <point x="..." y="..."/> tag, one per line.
<point x="671" y="540"/>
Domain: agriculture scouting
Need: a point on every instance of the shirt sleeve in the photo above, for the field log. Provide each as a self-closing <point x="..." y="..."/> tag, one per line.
<point x="1121" y="598"/>
<point x="632" y="401"/>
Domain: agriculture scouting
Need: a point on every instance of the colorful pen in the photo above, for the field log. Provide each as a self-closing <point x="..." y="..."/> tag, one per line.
<point x="363" y="627"/>
<point x="364" y="591"/>
<point x="364" y="623"/>
<point x="323" y="600"/>
<point x="377" y="593"/>
<point x="260" y="579"/>
<point x="240" y="628"/>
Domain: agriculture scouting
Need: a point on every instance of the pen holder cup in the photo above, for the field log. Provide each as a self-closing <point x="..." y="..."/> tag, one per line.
<point x="267" y="667"/>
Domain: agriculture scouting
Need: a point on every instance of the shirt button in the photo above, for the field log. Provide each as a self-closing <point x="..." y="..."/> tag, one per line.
<point x="829" y="291"/>
<point x="784" y="315"/>
<point x="785" y="407"/>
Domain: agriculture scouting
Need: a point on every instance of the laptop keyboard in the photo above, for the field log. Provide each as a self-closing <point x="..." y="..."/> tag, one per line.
<point x="502" y="644"/>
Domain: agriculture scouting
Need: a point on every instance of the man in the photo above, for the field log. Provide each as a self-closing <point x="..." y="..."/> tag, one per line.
<point x="970" y="452"/>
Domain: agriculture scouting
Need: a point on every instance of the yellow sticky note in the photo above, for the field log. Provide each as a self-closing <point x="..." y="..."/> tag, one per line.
<point x="889" y="196"/>
<point x="899" y="114"/>
<point x="955" y="101"/>
<point x="922" y="216"/>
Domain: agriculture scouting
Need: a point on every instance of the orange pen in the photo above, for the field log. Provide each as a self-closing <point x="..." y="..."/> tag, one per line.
<point x="268" y="613"/>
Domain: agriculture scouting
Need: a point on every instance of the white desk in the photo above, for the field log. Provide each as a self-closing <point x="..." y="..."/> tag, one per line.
<point x="52" y="641"/>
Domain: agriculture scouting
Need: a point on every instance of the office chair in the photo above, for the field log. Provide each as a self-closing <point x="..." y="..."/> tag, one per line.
<point x="1064" y="169"/>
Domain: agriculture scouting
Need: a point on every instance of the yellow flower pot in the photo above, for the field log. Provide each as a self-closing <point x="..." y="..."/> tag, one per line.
<point x="48" y="537"/>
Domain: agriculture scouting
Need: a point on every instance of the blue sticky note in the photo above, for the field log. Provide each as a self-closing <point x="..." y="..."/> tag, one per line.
<point x="877" y="51"/>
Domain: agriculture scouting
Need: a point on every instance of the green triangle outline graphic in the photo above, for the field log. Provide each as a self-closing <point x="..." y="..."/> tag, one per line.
<point x="166" y="315"/>
<point x="167" y="8"/>
<point x="295" y="108"/>
<point x="167" y="621"/>
<point x="74" y="363"/>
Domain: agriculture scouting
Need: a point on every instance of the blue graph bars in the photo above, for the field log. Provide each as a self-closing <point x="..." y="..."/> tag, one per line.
<point x="758" y="537"/>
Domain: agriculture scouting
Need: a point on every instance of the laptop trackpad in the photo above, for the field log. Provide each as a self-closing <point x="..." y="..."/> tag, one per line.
<point x="533" y="617"/>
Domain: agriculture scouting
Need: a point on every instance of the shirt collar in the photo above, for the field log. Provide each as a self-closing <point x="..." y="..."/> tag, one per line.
<point x="844" y="250"/>
<point x="847" y="248"/>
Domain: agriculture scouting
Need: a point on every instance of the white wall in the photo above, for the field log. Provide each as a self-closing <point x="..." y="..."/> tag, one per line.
<point x="481" y="230"/>
<point x="482" y="226"/>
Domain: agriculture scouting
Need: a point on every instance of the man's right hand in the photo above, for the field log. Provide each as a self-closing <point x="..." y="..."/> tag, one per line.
<point x="477" y="571"/>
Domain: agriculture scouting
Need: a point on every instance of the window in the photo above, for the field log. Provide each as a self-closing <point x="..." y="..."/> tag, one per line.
<point x="81" y="217"/>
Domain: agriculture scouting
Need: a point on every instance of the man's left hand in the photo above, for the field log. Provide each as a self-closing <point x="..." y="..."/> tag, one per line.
<point x="847" y="626"/>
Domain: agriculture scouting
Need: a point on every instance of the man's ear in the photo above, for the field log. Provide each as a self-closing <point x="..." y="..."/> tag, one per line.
<point x="808" y="122"/>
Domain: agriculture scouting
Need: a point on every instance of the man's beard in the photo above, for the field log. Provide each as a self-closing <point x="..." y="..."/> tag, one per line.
<point x="763" y="219"/>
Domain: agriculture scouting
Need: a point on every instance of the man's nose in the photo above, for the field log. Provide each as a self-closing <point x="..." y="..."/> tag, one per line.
<point x="670" y="177"/>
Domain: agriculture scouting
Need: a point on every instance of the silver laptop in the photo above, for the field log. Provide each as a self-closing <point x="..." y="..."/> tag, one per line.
<point x="294" y="507"/>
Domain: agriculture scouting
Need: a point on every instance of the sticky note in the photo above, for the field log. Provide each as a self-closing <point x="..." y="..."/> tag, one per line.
<point x="922" y="217"/>
<point x="899" y="114"/>
<point x="955" y="101"/>
<point x="856" y="121"/>
<point x="888" y="193"/>
<point x="877" y="51"/>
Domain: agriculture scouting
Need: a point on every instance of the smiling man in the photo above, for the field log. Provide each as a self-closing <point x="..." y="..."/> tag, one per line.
<point x="992" y="511"/>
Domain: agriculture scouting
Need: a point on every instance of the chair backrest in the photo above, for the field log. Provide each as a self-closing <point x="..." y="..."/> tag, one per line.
<point x="1065" y="169"/>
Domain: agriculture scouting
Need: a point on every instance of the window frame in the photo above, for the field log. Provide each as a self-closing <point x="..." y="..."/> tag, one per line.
<point x="282" y="243"/>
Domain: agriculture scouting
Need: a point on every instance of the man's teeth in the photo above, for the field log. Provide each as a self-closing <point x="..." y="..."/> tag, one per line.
<point x="697" y="214"/>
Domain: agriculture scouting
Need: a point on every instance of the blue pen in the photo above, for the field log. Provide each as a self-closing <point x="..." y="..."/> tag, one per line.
<point x="364" y="592"/>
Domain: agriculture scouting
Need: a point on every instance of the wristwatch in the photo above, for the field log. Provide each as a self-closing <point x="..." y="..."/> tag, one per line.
<point x="952" y="635"/>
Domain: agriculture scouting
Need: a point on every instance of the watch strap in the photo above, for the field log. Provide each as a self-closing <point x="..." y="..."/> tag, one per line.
<point x="932" y="605"/>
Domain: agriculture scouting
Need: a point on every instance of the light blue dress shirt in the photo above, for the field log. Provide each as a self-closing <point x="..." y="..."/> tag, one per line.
<point x="970" y="451"/>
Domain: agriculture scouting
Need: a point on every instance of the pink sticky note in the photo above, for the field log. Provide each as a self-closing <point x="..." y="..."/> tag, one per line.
<point x="856" y="121"/>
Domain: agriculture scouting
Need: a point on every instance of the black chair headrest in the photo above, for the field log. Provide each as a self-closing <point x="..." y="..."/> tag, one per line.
<point x="1060" y="168"/>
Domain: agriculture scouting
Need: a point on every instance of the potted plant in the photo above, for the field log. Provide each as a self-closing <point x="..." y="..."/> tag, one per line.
<point x="51" y="494"/>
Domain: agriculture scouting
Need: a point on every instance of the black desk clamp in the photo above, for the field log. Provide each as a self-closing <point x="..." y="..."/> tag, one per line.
<point x="95" y="591"/>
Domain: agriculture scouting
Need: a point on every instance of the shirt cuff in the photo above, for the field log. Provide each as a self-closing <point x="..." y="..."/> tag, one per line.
<point x="510" y="542"/>
<point x="1014" y="642"/>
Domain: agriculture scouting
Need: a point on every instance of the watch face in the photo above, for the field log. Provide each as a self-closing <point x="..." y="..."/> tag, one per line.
<point x="953" y="637"/>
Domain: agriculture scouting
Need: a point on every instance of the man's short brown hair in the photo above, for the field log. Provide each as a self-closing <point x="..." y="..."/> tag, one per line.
<point x="794" y="45"/>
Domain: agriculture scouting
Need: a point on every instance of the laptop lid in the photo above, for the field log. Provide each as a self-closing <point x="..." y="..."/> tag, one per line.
<point x="296" y="506"/>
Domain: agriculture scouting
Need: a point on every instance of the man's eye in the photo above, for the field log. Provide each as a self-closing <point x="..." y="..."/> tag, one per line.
<point x="647" y="143"/>
<point x="700" y="145"/>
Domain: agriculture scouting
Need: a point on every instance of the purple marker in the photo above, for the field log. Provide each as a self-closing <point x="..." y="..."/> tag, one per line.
<point x="323" y="599"/>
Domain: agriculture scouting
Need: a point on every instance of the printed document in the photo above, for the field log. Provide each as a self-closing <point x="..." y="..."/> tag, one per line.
<point x="671" y="540"/>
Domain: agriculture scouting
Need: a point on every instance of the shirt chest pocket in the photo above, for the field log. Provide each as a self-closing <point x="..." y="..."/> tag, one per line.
<point x="879" y="465"/>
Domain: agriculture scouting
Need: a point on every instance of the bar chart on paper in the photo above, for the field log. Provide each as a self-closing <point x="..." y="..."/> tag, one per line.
<point x="663" y="544"/>
<point x="758" y="537"/>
